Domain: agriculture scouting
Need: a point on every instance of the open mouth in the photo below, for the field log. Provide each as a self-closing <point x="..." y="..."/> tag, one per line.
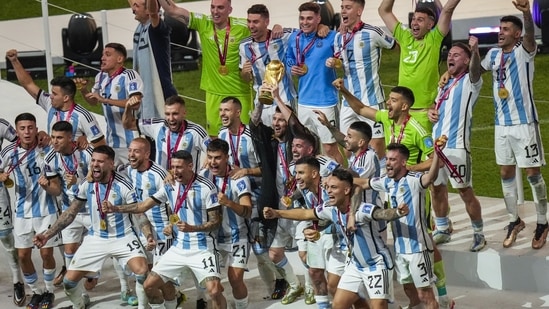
<point x="96" y="173"/>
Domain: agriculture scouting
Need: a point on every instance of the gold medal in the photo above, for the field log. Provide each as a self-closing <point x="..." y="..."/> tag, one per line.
<point x="304" y="68"/>
<point x="290" y="182"/>
<point x="8" y="183"/>
<point x="174" y="219"/>
<point x="317" y="236"/>
<point x="223" y="70"/>
<point x="103" y="224"/>
<point x="503" y="93"/>
<point x="286" y="201"/>
<point x="338" y="63"/>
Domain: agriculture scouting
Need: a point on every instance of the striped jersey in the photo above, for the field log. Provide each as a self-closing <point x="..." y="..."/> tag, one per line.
<point x="361" y="58"/>
<point x="201" y="197"/>
<point x="233" y="227"/>
<point x="194" y="139"/>
<point x="368" y="249"/>
<point x="59" y="165"/>
<point x="118" y="87"/>
<point x="515" y="72"/>
<point x="457" y="100"/>
<point x="242" y="153"/>
<point x="7" y="131"/>
<point x="83" y="122"/>
<point x="262" y="53"/>
<point x="315" y="87"/>
<point x="147" y="183"/>
<point x="366" y="165"/>
<point x="410" y="232"/>
<point x="31" y="200"/>
<point x="121" y="192"/>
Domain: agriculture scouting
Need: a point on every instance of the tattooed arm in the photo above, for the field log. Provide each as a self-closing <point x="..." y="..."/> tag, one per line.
<point x="214" y="221"/>
<point x="391" y="213"/>
<point x="174" y="11"/>
<point x="135" y="208"/>
<point x="63" y="221"/>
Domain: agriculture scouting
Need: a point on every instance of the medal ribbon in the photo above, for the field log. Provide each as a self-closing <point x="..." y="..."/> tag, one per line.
<point x="357" y="157"/>
<point x="300" y="55"/>
<point x="68" y="116"/>
<point x="169" y="149"/>
<point x="252" y="52"/>
<point x="98" y="193"/>
<point x="17" y="145"/>
<point x="501" y="70"/>
<point x="74" y="161"/>
<point x="347" y="37"/>
<point x="318" y="202"/>
<point x="234" y="150"/>
<point x="225" y="179"/>
<point x="451" y="167"/>
<point x="284" y="163"/>
<point x="444" y="96"/>
<point x="182" y="197"/>
<point x="401" y="134"/>
<point x="111" y="78"/>
<point x="347" y="234"/>
<point x="223" y="55"/>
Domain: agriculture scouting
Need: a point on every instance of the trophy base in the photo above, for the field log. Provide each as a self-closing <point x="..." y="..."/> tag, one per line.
<point x="265" y="98"/>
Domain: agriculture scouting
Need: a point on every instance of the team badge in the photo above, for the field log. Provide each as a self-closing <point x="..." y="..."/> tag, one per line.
<point x="148" y="185"/>
<point x="117" y="88"/>
<point x="275" y="47"/>
<point x="361" y="44"/>
<point x="114" y="196"/>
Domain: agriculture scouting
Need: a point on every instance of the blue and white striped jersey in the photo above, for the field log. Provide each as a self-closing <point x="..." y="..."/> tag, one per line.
<point x="59" y="165"/>
<point x="7" y="131"/>
<point x="194" y="140"/>
<point x="233" y="228"/>
<point x="514" y="71"/>
<point x="147" y="183"/>
<point x="455" y="116"/>
<point x="261" y="54"/>
<point x="118" y="87"/>
<point x="361" y="58"/>
<point x="201" y="197"/>
<point x="366" y="165"/>
<point x="121" y="192"/>
<point x="83" y="122"/>
<point x="31" y="201"/>
<point x="368" y="249"/>
<point x="410" y="232"/>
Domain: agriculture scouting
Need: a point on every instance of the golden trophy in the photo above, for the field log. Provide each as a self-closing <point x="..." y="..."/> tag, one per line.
<point x="273" y="74"/>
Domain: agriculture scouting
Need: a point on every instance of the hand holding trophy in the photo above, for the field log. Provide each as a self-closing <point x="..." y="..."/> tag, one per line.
<point x="273" y="75"/>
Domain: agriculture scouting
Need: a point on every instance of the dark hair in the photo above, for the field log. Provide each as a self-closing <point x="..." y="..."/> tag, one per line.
<point x="277" y="109"/>
<point x="260" y="9"/>
<point x="119" y="48"/>
<point x="363" y="128"/>
<point x="174" y="99"/>
<point x="218" y="145"/>
<point x="234" y="100"/>
<point x="512" y="19"/>
<point x="406" y="92"/>
<point x="143" y="141"/>
<point x="25" y="116"/>
<point x="310" y="161"/>
<point x="66" y="84"/>
<point x="104" y="149"/>
<point x="400" y="148"/>
<point x="62" y="126"/>
<point x="310" y="6"/>
<point x="361" y="3"/>
<point x="464" y="47"/>
<point x="309" y="138"/>
<point x="343" y="175"/>
<point x="426" y="10"/>
<point x="183" y="155"/>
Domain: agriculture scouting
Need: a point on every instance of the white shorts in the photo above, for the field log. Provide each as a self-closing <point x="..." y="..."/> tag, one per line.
<point x="203" y="264"/>
<point x="347" y="116"/>
<point x="6" y="215"/>
<point x="319" y="251"/>
<point x="161" y="248"/>
<point x="94" y="250"/>
<point x="310" y="120"/>
<point x="377" y="283"/>
<point x="77" y="229"/>
<point x="284" y="236"/>
<point x="415" y="268"/>
<point x="519" y="145"/>
<point x="24" y="230"/>
<point x="234" y="255"/>
<point x="301" y="245"/>
<point x="337" y="261"/>
<point x="461" y="160"/>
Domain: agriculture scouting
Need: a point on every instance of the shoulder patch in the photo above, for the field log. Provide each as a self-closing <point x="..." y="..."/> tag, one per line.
<point x="428" y="141"/>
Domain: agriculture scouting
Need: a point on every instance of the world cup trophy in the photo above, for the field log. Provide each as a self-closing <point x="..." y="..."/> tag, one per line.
<point x="273" y="75"/>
